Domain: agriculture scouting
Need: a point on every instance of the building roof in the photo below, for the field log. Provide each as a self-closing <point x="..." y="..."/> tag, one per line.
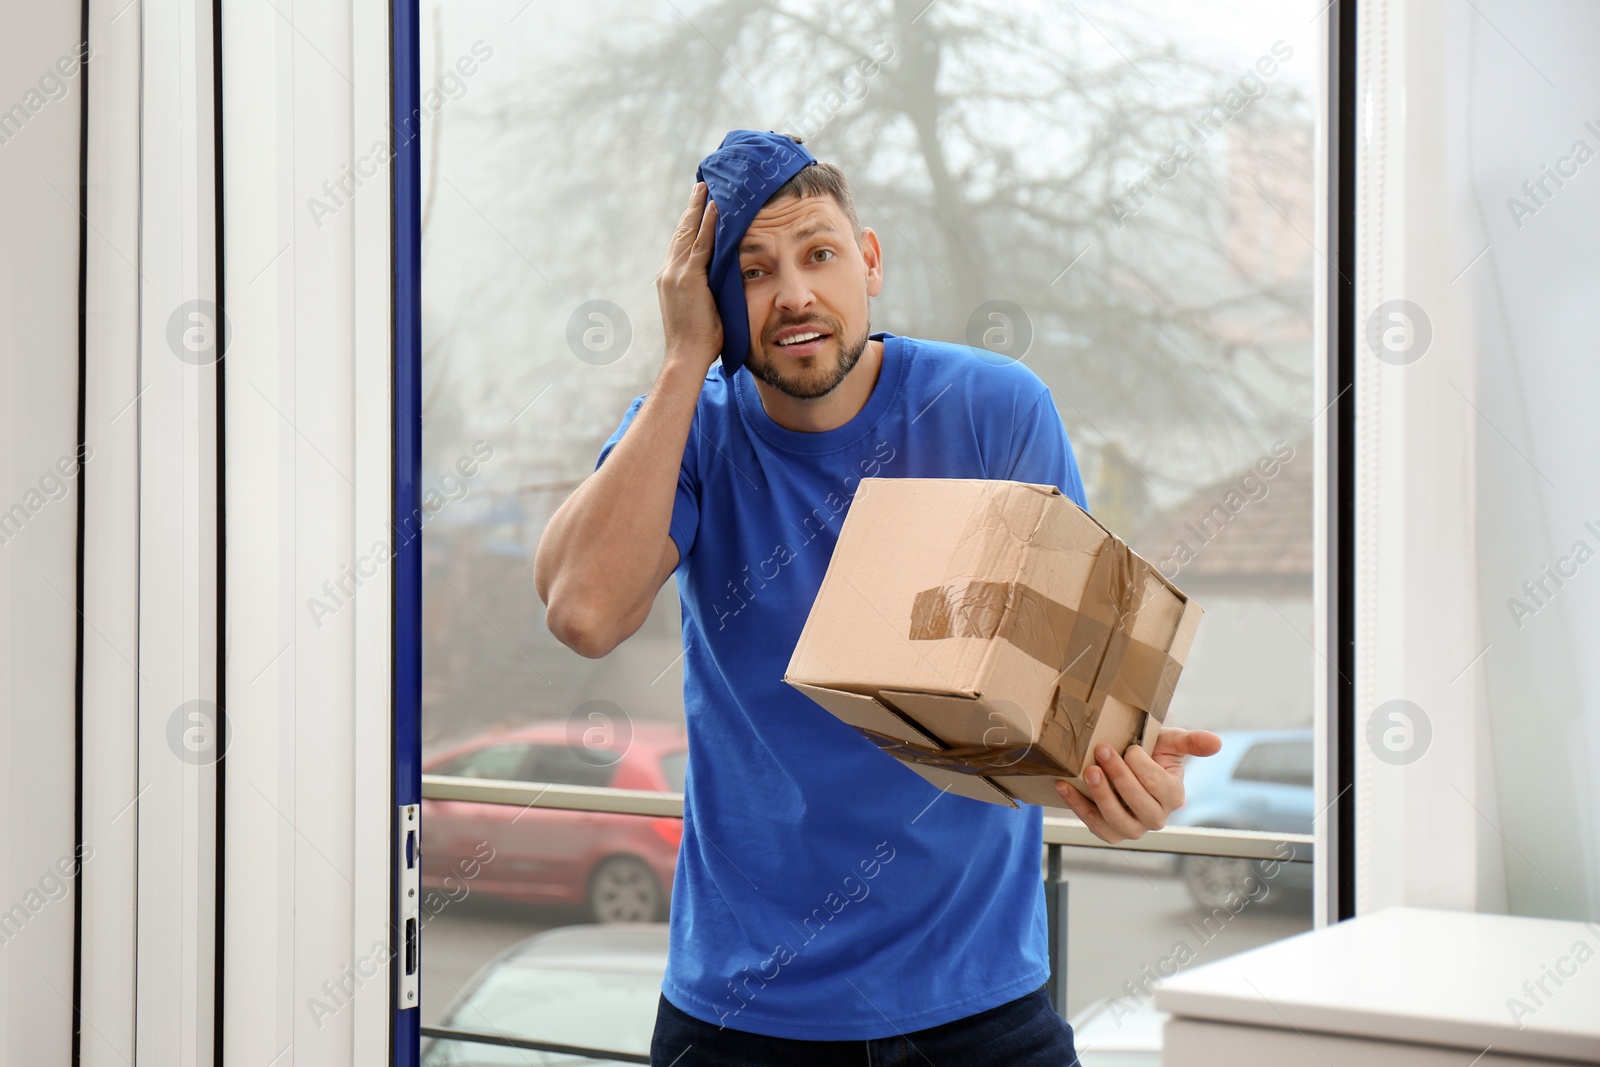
<point x="1230" y="534"/>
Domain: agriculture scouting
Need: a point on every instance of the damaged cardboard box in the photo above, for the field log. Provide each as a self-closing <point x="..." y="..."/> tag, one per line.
<point x="990" y="634"/>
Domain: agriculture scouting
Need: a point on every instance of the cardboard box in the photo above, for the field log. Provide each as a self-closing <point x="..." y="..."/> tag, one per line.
<point x="990" y="634"/>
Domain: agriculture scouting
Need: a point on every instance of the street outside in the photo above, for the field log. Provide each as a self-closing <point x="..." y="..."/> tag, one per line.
<point x="1126" y="915"/>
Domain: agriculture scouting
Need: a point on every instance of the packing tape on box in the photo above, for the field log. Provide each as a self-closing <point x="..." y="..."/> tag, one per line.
<point x="1089" y="645"/>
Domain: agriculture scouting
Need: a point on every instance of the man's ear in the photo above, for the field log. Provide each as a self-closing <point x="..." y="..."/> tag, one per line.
<point x="872" y="253"/>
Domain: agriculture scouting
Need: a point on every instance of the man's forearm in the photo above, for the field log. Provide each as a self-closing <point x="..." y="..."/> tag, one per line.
<point x="599" y="562"/>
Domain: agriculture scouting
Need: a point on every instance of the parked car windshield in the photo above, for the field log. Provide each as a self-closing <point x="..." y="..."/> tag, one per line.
<point x="562" y="765"/>
<point x="496" y="761"/>
<point x="673" y="766"/>
<point x="1277" y="762"/>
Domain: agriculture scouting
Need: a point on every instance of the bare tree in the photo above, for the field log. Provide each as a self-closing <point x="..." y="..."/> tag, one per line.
<point x="1002" y="154"/>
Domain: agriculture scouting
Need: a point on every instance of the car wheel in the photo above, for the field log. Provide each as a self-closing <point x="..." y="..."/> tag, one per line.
<point x="1218" y="881"/>
<point x="624" y="890"/>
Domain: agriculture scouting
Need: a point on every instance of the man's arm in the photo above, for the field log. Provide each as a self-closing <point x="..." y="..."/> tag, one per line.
<point x="606" y="551"/>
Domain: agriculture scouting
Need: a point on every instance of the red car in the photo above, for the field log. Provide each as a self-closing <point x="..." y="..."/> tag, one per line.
<point x="619" y="866"/>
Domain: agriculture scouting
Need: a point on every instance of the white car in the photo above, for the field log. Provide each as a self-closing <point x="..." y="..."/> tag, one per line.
<point x="597" y="987"/>
<point x="588" y="986"/>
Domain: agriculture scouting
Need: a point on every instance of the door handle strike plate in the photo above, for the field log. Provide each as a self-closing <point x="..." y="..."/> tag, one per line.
<point x="408" y="871"/>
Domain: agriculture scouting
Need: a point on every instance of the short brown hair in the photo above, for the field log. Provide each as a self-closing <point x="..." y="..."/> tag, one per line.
<point x="821" y="179"/>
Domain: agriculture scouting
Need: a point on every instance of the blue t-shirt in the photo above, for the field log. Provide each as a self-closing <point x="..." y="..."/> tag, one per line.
<point x="824" y="891"/>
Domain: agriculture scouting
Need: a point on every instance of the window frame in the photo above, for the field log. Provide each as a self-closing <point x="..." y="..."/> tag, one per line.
<point x="1333" y="522"/>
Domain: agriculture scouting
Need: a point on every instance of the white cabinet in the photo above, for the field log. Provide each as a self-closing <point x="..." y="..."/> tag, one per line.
<point x="1404" y="987"/>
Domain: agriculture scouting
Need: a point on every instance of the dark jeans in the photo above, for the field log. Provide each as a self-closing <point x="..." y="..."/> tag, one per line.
<point x="1025" y="1032"/>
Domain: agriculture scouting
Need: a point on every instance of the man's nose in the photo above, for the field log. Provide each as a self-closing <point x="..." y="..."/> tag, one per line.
<point x="794" y="293"/>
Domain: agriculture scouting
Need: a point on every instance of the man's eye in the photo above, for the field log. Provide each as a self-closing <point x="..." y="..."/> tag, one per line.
<point x="825" y="252"/>
<point x="751" y="272"/>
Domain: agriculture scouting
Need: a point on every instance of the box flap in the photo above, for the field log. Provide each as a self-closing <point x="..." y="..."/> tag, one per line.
<point x="1035" y="789"/>
<point x="1184" y="637"/>
<point x="962" y="720"/>
<point x="866" y="713"/>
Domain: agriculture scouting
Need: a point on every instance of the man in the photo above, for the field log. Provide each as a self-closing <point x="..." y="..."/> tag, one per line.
<point x="830" y="906"/>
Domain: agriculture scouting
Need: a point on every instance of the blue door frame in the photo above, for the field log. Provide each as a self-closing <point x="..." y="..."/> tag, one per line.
<point x="406" y="204"/>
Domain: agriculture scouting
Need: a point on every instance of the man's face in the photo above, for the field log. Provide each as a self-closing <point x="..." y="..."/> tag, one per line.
<point x="805" y="274"/>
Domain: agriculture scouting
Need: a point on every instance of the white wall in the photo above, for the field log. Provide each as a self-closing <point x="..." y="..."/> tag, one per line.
<point x="178" y="500"/>
<point x="1525" y="92"/>
<point x="308" y="453"/>
<point x="38" y="522"/>
<point x="113" y="417"/>
<point x="1248" y="637"/>
<point x="308" y="432"/>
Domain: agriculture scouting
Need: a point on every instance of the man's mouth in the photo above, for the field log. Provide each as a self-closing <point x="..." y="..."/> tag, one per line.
<point x="801" y="342"/>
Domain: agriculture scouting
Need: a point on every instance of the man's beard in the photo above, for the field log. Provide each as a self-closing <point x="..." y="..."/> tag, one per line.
<point x="849" y="355"/>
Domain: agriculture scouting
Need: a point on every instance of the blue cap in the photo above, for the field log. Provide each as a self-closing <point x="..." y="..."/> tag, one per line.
<point x="741" y="175"/>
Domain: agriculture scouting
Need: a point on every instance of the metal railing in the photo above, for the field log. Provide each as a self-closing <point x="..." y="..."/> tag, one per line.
<point x="1058" y="829"/>
<point x="1059" y="832"/>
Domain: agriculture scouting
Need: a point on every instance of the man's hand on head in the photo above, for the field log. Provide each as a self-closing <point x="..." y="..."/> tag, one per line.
<point x="1130" y="795"/>
<point x="693" y="329"/>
